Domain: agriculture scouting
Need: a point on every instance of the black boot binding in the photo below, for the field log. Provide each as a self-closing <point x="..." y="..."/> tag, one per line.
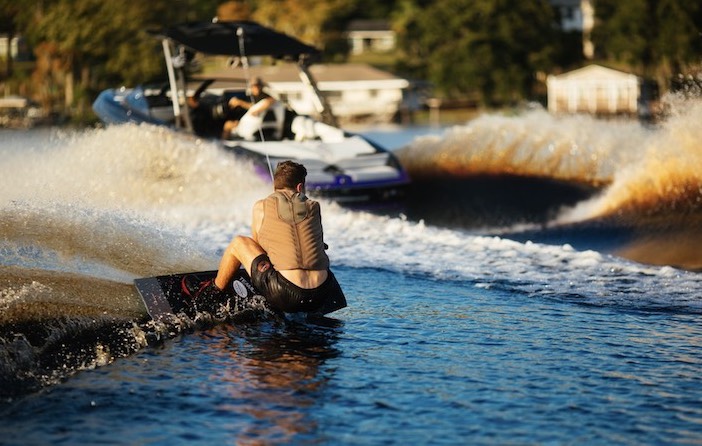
<point x="205" y="295"/>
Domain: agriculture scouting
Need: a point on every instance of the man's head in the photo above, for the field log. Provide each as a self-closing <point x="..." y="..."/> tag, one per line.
<point x="257" y="85"/>
<point x="288" y="174"/>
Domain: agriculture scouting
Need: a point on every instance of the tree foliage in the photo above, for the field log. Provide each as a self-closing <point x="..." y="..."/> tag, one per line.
<point x="304" y="19"/>
<point x="491" y="48"/>
<point x="98" y="42"/>
<point x="317" y="22"/>
<point x="657" y="38"/>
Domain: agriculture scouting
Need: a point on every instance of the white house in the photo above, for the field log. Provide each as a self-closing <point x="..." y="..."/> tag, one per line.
<point x="370" y="35"/>
<point x="593" y="89"/>
<point x="354" y="91"/>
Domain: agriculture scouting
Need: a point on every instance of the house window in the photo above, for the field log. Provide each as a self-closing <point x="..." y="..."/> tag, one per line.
<point x="568" y="13"/>
<point x="332" y="95"/>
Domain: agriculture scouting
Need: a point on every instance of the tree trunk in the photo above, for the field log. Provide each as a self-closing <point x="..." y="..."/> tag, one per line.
<point x="84" y="103"/>
<point x="8" y="68"/>
<point x="69" y="96"/>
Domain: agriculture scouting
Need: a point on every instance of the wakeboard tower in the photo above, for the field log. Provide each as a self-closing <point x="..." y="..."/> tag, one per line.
<point x="164" y="296"/>
<point x="346" y="168"/>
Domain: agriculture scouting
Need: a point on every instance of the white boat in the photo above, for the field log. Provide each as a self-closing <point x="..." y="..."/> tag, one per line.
<point x="347" y="168"/>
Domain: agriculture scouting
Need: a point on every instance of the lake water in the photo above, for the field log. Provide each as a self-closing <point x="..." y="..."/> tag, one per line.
<point x="542" y="288"/>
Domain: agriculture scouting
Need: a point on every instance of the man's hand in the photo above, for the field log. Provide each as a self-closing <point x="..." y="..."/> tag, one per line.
<point x="235" y="102"/>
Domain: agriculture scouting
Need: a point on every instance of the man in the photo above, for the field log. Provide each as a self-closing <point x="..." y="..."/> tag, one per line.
<point x="285" y="256"/>
<point x="210" y="112"/>
<point x="263" y="101"/>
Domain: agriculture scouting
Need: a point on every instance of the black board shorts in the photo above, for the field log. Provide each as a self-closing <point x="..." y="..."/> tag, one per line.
<point x="284" y="295"/>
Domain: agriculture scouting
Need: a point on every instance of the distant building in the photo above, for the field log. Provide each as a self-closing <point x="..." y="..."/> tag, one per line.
<point x="578" y="16"/>
<point x="370" y="36"/>
<point x="19" y="112"/>
<point x="593" y="89"/>
<point x="8" y="46"/>
<point x="16" y="48"/>
<point x="570" y="13"/>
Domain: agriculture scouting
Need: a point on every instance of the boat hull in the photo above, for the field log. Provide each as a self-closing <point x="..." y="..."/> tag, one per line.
<point x="373" y="179"/>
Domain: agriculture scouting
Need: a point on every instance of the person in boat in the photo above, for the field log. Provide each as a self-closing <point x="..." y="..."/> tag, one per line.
<point x="285" y="256"/>
<point x="209" y="113"/>
<point x="262" y="101"/>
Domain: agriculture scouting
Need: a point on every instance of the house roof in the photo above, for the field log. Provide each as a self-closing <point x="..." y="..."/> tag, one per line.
<point x="283" y="73"/>
<point x="368" y="25"/>
<point x="566" y="3"/>
<point x="593" y="72"/>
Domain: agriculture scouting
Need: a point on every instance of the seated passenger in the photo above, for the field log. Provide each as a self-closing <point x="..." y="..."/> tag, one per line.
<point x="262" y="102"/>
<point x="209" y="112"/>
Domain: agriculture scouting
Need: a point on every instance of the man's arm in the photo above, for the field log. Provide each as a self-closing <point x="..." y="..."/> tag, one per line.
<point x="257" y="219"/>
<point x="263" y="105"/>
<point x="236" y="102"/>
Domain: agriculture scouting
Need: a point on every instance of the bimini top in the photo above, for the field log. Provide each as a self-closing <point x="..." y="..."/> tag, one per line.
<point x="223" y="38"/>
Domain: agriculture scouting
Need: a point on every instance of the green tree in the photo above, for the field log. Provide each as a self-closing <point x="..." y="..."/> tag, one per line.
<point x="83" y="46"/>
<point x="9" y="10"/>
<point x="304" y="19"/>
<point x="656" y="38"/>
<point x="336" y="46"/>
<point x="490" y="49"/>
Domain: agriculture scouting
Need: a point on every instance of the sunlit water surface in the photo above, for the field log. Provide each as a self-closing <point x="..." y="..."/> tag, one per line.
<point x="416" y="361"/>
<point x="451" y="336"/>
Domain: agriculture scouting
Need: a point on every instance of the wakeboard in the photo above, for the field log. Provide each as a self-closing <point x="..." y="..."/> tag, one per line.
<point x="163" y="296"/>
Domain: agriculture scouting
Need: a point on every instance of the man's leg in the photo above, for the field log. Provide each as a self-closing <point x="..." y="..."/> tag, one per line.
<point x="241" y="250"/>
<point x="228" y="128"/>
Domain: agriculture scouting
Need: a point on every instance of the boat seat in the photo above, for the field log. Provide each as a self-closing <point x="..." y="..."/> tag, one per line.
<point x="272" y="125"/>
<point x="305" y="128"/>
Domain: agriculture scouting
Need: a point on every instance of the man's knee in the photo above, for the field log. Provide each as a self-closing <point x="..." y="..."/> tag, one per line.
<point x="243" y="245"/>
<point x="241" y="241"/>
<point x="245" y="249"/>
<point x="236" y="245"/>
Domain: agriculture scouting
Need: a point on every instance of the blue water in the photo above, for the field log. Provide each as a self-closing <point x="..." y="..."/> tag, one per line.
<point x="415" y="360"/>
<point x="450" y="337"/>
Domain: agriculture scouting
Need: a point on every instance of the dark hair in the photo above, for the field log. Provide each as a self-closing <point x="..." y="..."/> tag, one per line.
<point x="288" y="174"/>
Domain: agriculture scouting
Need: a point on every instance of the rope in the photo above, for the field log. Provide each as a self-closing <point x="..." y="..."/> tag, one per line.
<point x="247" y="74"/>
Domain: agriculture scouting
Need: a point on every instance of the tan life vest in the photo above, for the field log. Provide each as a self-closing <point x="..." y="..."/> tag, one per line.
<point x="291" y="232"/>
